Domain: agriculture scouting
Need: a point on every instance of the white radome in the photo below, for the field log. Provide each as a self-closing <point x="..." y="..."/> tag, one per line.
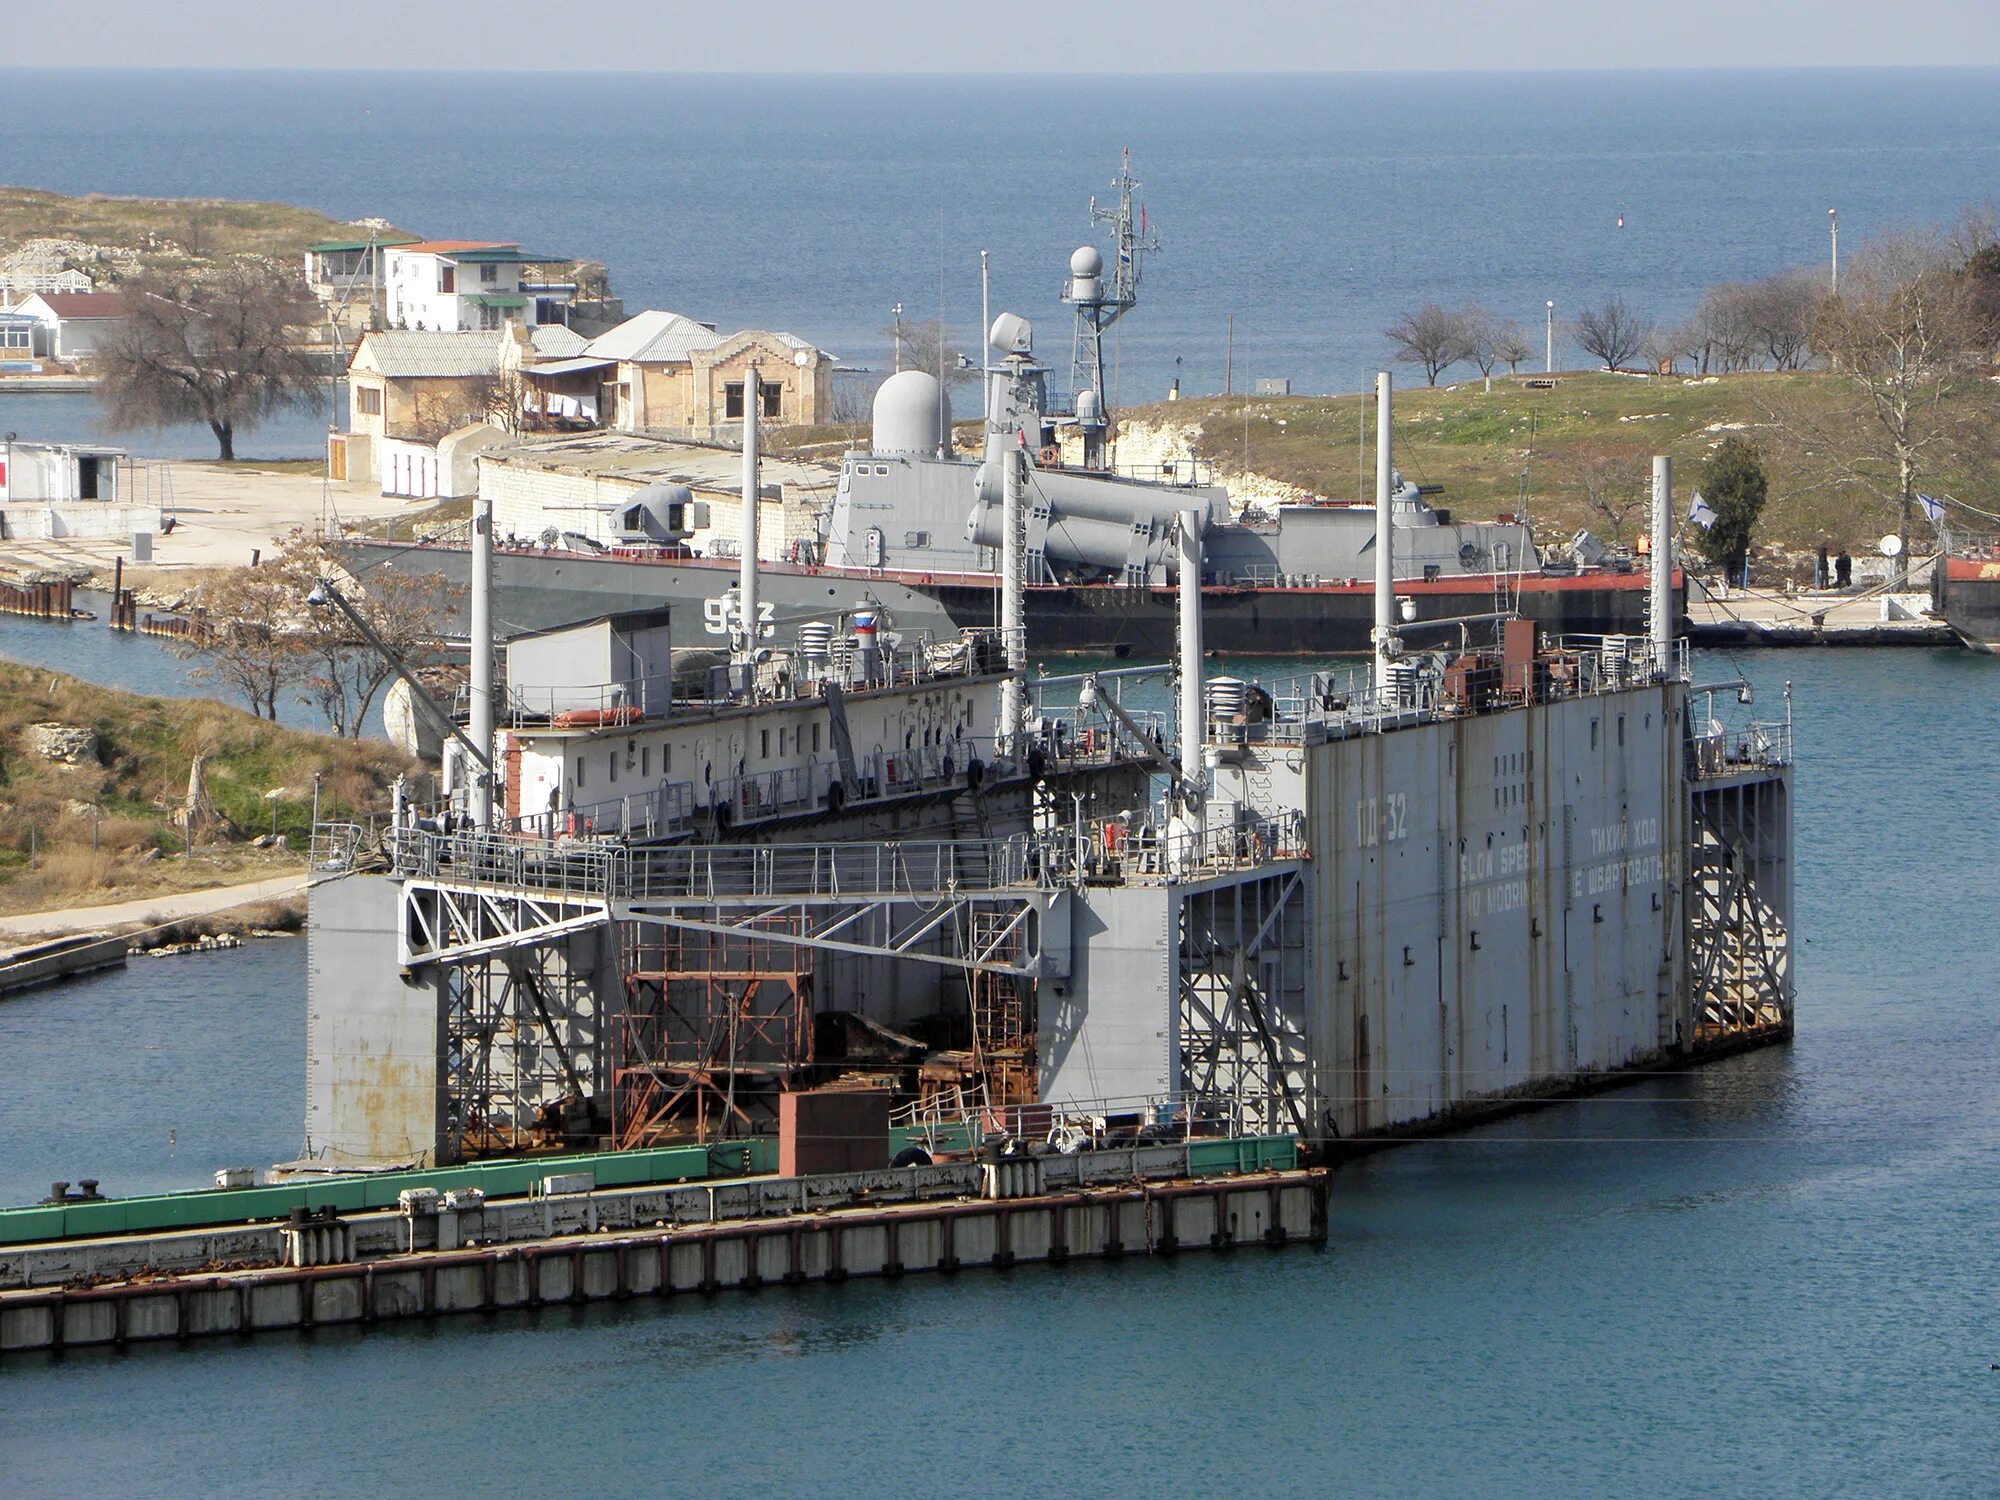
<point x="912" y="415"/>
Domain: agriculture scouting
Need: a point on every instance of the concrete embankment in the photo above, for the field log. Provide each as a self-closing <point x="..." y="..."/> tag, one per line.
<point x="44" y="963"/>
<point x="588" y="1247"/>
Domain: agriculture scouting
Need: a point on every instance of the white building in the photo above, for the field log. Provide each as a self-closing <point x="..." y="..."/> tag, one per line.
<point x="78" y="323"/>
<point x="461" y="286"/>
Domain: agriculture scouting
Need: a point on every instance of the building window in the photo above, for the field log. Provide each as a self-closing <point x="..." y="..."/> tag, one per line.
<point x="447" y="278"/>
<point x="815" y="739"/>
<point x="367" y="401"/>
<point x="489" y="273"/>
<point x="763" y="741"/>
<point x="768" y="405"/>
<point x="611" y="761"/>
<point x="645" y="761"/>
<point x="579" y="773"/>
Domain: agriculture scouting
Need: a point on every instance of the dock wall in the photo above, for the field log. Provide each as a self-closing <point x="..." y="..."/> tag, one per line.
<point x="1101" y="1222"/>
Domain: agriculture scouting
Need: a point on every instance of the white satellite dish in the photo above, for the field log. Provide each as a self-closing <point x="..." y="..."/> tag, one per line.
<point x="1891" y="545"/>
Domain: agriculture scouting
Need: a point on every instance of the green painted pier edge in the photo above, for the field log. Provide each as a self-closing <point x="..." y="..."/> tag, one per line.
<point x="1225" y="1195"/>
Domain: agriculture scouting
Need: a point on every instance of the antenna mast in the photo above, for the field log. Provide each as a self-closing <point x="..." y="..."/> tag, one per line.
<point x="1101" y="300"/>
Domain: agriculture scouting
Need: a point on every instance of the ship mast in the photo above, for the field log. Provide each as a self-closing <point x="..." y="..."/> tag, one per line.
<point x="1101" y="300"/>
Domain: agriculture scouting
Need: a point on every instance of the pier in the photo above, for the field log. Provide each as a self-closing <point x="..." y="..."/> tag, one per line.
<point x="571" y="1243"/>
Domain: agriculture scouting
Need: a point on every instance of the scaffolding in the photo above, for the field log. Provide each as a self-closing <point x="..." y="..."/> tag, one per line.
<point x="716" y="1025"/>
<point x="1739" y="907"/>
<point x="1244" y="983"/>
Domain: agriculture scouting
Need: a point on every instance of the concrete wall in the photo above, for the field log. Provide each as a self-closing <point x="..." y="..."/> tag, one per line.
<point x="374" y="1042"/>
<point x="43" y="523"/>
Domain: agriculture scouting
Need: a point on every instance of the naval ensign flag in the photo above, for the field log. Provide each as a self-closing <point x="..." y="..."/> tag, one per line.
<point x="1701" y="513"/>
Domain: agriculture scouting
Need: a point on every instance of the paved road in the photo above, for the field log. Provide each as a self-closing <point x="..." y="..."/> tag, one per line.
<point x="153" y="909"/>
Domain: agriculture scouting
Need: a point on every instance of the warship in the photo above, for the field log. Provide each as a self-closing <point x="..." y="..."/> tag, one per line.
<point x="911" y="532"/>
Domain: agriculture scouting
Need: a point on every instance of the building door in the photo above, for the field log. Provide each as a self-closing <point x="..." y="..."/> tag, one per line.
<point x="86" y="479"/>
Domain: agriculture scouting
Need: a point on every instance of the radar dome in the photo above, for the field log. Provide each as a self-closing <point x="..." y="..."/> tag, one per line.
<point x="912" y="413"/>
<point x="1086" y="262"/>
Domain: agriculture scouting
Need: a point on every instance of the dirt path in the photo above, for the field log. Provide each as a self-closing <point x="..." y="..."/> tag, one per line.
<point x="153" y="909"/>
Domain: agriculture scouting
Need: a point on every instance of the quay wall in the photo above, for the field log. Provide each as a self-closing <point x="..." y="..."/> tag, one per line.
<point x="1269" y="1209"/>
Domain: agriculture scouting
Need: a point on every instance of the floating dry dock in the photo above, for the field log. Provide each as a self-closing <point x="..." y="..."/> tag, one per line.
<point x="573" y="1243"/>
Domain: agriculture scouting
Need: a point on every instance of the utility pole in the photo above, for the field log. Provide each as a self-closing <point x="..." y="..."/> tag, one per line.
<point x="1550" y="366"/>
<point x="1833" y="230"/>
<point x="1229" y="360"/>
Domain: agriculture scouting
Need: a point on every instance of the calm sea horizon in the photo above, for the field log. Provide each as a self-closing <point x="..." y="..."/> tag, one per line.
<point x="1309" y="209"/>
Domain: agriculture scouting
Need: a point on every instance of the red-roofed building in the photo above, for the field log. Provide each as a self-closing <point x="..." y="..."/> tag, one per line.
<point x="77" y="323"/>
<point x="464" y="286"/>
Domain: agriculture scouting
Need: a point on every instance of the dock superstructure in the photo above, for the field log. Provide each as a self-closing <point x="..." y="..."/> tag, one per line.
<point x="1006" y="966"/>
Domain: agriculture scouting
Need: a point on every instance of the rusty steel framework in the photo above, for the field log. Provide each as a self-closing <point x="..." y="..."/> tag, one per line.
<point x="713" y="992"/>
<point x="1739" y="908"/>
<point x="1003" y="1037"/>
<point x="1245" y="979"/>
<point x="716" y="1025"/>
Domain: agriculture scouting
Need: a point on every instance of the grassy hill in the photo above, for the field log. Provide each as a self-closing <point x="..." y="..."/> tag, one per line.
<point x="166" y="232"/>
<point x="108" y="826"/>
<point x="1478" y="445"/>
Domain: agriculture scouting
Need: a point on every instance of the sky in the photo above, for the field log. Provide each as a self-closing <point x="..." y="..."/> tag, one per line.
<point x="945" y="36"/>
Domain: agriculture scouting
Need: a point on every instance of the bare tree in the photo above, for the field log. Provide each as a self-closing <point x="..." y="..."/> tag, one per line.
<point x="223" y="352"/>
<point x="1611" y="479"/>
<point x="340" y="674"/>
<point x="1433" y="337"/>
<point x="253" y="649"/>
<point x="1904" y="336"/>
<point x="1779" y="313"/>
<point x="926" y="344"/>
<point x="1612" y="332"/>
<point x="1663" y="346"/>
<point x="1481" y="338"/>
<point x="1511" y="346"/>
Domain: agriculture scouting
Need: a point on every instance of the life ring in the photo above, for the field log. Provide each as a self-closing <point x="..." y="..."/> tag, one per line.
<point x="1050" y="456"/>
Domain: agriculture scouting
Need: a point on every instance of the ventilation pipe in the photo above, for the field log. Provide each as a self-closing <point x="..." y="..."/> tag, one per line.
<point x="1013" y="588"/>
<point x="1189" y="598"/>
<point x="1384" y="634"/>
<point x="481" y="645"/>
<point x="746" y="578"/>
<point x="1661" y="602"/>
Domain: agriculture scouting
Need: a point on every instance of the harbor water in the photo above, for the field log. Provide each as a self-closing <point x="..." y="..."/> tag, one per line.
<point x="1772" y="1276"/>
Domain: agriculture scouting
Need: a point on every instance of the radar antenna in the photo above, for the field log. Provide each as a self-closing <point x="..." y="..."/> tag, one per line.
<point x="1102" y="300"/>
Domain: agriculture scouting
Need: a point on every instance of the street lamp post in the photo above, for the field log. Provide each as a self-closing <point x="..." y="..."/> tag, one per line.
<point x="1833" y="230"/>
<point x="1551" y="356"/>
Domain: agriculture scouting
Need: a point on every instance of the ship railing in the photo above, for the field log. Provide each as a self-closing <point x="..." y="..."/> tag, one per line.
<point x="663" y="812"/>
<point x="872" y="870"/>
<point x="1724" y="751"/>
<point x="1162" y="850"/>
<point x="1179" y="473"/>
<point x="336" y="847"/>
<point x="1077" y="1121"/>
<point x="584" y="705"/>
<point x="721" y="872"/>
